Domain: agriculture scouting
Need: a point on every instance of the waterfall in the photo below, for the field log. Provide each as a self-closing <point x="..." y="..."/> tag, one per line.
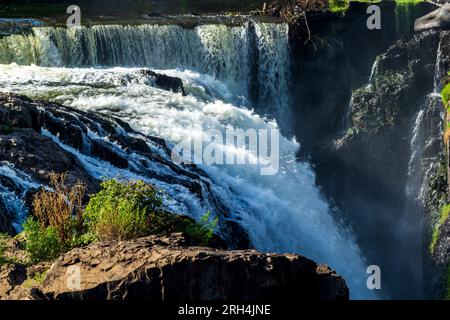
<point x="253" y="59"/>
<point x="426" y="135"/>
<point x="426" y="148"/>
<point x="373" y="71"/>
<point x="438" y="71"/>
<point x="13" y="193"/>
<point x="97" y="69"/>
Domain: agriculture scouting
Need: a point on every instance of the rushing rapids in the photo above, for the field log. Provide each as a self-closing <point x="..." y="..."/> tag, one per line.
<point x="225" y="71"/>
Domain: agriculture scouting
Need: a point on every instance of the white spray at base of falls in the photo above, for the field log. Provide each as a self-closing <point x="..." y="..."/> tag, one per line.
<point x="14" y="199"/>
<point x="281" y="213"/>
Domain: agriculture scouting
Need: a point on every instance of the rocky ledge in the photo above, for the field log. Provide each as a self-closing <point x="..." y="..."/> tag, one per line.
<point x="166" y="268"/>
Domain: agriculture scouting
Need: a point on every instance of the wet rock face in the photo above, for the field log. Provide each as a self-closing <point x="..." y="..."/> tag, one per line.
<point x="164" y="268"/>
<point x="382" y="112"/>
<point x="17" y="26"/>
<point x="19" y="112"/>
<point x="366" y="170"/>
<point x="444" y="58"/>
<point x="165" y="82"/>
<point x="37" y="155"/>
<point x="438" y="19"/>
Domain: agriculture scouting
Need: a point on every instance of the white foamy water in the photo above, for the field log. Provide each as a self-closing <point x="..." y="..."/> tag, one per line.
<point x="281" y="213"/>
<point x="14" y="199"/>
<point x="252" y="59"/>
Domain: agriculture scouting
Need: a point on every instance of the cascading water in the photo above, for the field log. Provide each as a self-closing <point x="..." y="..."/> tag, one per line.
<point x="13" y="194"/>
<point x="281" y="213"/>
<point x="426" y="148"/>
<point x="253" y="60"/>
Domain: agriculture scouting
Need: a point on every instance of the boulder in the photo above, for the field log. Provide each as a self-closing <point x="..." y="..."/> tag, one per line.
<point x="165" y="82"/>
<point x="19" y="112"/>
<point x="437" y="19"/>
<point x="105" y="151"/>
<point x="165" y="268"/>
<point x="11" y="276"/>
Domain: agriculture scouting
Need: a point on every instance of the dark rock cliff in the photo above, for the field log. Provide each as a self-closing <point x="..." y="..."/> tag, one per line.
<point x="372" y="128"/>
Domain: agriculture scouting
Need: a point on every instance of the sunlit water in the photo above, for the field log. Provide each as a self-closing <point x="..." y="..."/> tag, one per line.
<point x="281" y="213"/>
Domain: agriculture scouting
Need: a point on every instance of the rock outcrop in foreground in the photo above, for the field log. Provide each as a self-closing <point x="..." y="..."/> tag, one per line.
<point x="165" y="268"/>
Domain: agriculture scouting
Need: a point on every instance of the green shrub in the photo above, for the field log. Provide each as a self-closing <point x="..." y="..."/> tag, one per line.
<point x="407" y="2"/>
<point x="129" y="210"/>
<point x="36" y="280"/>
<point x="445" y="213"/>
<point x="122" y="210"/>
<point x="343" y="5"/>
<point x="42" y="242"/>
<point x="202" y="231"/>
<point x="57" y="223"/>
<point x="338" y="5"/>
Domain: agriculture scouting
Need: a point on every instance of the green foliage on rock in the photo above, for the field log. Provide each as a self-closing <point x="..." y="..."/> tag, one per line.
<point x="36" y="280"/>
<point x="445" y="94"/>
<point x="202" y="231"/>
<point x="199" y="232"/>
<point x="445" y="213"/>
<point x="339" y="6"/>
<point x="121" y="211"/>
<point x="42" y="242"/>
<point x="129" y="210"/>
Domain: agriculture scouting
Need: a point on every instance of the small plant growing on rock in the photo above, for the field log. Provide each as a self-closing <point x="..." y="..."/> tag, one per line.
<point x="57" y="222"/>
<point x="36" y="280"/>
<point x="61" y="208"/>
<point x="445" y="94"/>
<point x="447" y="291"/>
<point x="42" y="242"/>
<point x="122" y="210"/>
<point x="133" y="209"/>
<point x="203" y="231"/>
